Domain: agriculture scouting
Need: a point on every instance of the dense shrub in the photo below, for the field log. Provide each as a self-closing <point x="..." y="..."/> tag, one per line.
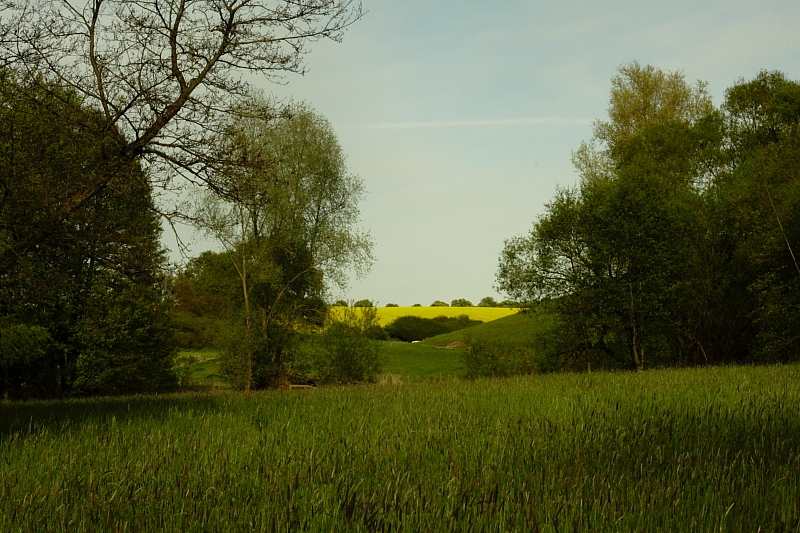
<point x="485" y="357"/>
<point x="363" y="303"/>
<point x="508" y="303"/>
<point x="415" y="328"/>
<point x="439" y="303"/>
<point x="392" y="305"/>
<point x="346" y="353"/>
<point x="461" y="302"/>
<point x="194" y="332"/>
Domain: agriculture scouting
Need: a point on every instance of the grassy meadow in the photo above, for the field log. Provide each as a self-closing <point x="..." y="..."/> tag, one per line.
<point x="714" y="449"/>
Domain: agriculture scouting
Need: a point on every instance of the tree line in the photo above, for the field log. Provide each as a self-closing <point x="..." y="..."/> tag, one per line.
<point x="679" y="245"/>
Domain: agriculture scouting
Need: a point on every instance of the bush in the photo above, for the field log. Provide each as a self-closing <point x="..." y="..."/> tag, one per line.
<point x="339" y="303"/>
<point x="392" y="305"/>
<point x="414" y="328"/>
<point x="377" y="333"/>
<point x="417" y="305"/>
<point x="346" y="353"/>
<point x="461" y="302"/>
<point x="494" y="358"/>
<point x="363" y="303"/>
<point x="439" y="303"/>
<point x="509" y="303"/>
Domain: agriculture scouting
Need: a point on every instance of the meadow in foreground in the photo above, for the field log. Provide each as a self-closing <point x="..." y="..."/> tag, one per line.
<point x="675" y="450"/>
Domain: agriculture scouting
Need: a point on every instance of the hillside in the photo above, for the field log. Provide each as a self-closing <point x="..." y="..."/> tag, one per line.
<point x="440" y="356"/>
<point x="516" y="328"/>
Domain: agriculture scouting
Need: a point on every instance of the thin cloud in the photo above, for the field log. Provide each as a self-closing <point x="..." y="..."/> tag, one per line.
<point x="546" y="121"/>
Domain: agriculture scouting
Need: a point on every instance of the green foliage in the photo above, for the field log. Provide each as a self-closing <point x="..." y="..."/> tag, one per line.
<point x="415" y="328"/>
<point x="511" y="304"/>
<point x="195" y="332"/>
<point x="461" y="302"/>
<point x="339" y="303"/>
<point x="91" y="292"/>
<point x="363" y="303"/>
<point x="286" y="210"/>
<point x="392" y="305"/>
<point x="713" y="449"/>
<point x="678" y="245"/>
<point x="439" y="303"/>
<point x="347" y="352"/>
<point x="488" y="302"/>
<point x="417" y="305"/>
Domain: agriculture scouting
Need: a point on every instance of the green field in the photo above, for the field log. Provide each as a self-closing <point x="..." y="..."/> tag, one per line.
<point x="418" y="360"/>
<point x="515" y="328"/>
<point x="713" y="449"/>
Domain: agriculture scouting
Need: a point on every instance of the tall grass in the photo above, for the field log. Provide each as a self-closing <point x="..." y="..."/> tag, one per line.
<point x="676" y="450"/>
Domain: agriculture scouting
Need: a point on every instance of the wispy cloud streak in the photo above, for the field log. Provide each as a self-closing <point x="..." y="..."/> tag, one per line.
<point x="537" y="121"/>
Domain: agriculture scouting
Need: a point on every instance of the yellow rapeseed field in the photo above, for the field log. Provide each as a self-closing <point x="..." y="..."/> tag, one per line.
<point x="486" y="314"/>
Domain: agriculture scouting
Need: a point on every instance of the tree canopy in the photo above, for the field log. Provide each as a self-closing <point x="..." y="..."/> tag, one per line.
<point x="677" y="247"/>
<point x="84" y="311"/>
<point x="163" y="77"/>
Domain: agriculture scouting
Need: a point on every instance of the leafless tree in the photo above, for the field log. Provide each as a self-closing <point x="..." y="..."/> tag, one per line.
<point x="163" y="74"/>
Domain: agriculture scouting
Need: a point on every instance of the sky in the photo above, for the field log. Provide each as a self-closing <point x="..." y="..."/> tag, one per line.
<point x="461" y="116"/>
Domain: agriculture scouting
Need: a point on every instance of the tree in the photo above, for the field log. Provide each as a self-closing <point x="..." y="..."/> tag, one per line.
<point x="392" y="305"/>
<point x="488" y="302"/>
<point x="286" y="209"/>
<point x="439" y="303"/>
<point x="84" y="312"/>
<point x="461" y="302"/>
<point x="758" y="209"/>
<point x="680" y="240"/>
<point x="363" y="303"/>
<point x="162" y="75"/>
<point x="641" y="96"/>
<point x="612" y="256"/>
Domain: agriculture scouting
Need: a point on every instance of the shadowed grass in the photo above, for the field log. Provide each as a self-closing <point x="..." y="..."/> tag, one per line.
<point x="676" y="450"/>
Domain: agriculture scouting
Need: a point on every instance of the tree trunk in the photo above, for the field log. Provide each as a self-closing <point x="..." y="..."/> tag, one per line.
<point x="248" y="373"/>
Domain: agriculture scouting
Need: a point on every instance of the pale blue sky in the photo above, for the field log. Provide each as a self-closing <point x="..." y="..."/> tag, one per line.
<point x="460" y="116"/>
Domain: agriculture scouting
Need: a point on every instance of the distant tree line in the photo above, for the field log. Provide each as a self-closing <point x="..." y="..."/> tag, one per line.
<point x="681" y="243"/>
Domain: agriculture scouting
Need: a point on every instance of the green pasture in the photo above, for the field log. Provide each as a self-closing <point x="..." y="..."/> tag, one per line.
<point x="418" y="360"/>
<point x="714" y="449"/>
<point x="513" y="328"/>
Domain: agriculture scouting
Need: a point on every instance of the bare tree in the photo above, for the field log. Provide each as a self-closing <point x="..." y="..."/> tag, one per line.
<point x="164" y="74"/>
